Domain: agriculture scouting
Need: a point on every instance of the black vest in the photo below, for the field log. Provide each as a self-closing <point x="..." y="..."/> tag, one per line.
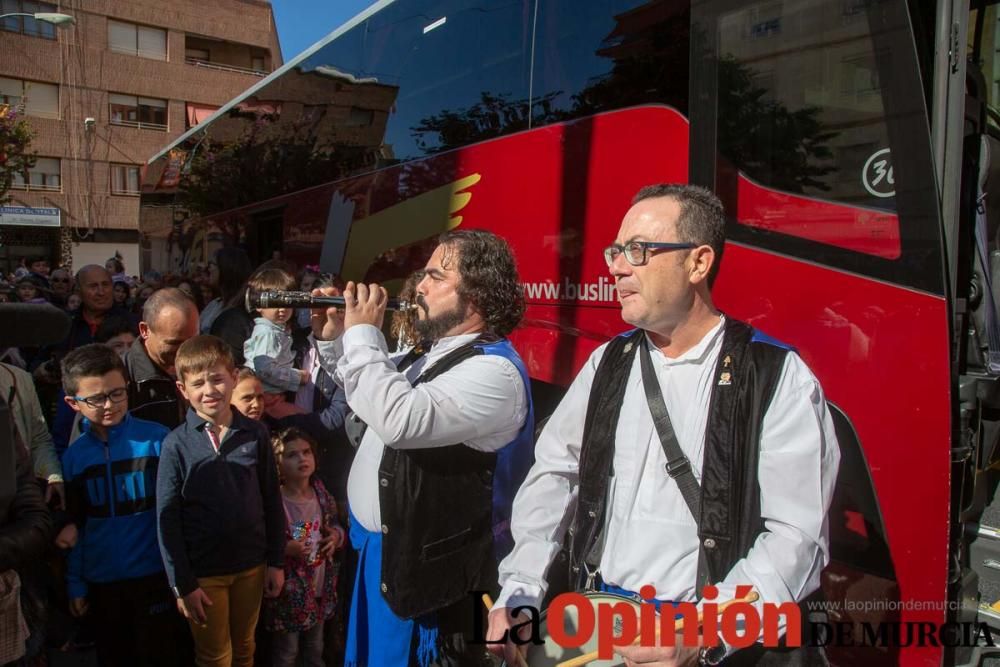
<point x="436" y="504"/>
<point x="745" y="378"/>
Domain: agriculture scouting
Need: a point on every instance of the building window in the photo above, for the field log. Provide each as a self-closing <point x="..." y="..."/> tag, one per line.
<point x="197" y="54"/>
<point x="142" y="112"/>
<point x="26" y="25"/>
<point x="257" y="64"/>
<point x="137" y="40"/>
<point x="124" y="179"/>
<point x="45" y="175"/>
<point x="360" y="117"/>
<point x="39" y="99"/>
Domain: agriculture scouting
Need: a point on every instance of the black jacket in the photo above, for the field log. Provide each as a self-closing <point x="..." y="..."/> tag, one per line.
<point x="152" y="394"/>
<point x="27" y="525"/>
<point x="218" y="513"/>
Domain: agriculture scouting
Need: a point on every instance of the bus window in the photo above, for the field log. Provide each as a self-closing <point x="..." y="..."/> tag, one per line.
<point x="988" y="57"/>
<point x="819" y="141"/>
<point x="603" y="55"/>
<point x="462" y="70"/>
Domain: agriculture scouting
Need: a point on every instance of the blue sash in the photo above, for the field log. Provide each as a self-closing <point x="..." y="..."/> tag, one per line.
<point x="608" y="588"/>
<point x="376" y="637"/>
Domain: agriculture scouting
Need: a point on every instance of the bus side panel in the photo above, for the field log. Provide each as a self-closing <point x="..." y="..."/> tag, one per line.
<point x="881" y="355"/>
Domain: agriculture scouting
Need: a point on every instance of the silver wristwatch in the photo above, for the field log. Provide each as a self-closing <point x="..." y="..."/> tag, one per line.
<point x="711" y="655"/>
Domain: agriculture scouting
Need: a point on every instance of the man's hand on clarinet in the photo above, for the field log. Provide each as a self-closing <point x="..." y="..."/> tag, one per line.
<point x="364" y="304"/>
<point x="327" y="324"/>
<point x="501" y="624"/>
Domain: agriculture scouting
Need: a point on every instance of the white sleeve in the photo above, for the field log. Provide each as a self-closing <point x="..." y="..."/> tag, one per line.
<point x="545" y="502"/>
<point x="482" y="396"/>
<point x="799" y="459"/>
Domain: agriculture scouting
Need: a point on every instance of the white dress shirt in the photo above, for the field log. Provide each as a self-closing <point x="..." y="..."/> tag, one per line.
<point x="481" y="402"/>
<point x="652" y="538"/>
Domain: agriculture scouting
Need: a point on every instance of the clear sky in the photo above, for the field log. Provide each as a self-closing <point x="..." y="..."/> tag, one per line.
<point x="301" y="23"/>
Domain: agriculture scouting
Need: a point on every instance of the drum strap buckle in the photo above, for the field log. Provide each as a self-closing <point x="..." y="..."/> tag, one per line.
<point x="592" y="573"/>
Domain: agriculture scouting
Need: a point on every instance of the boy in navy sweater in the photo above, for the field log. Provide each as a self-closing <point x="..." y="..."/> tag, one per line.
<point x="115" y="573"/>
<point x="221" y="519"/>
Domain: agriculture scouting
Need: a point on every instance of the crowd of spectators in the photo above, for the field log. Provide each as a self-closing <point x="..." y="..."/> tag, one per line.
<point x="144" y="320"/>
<point x="35" y="281"/>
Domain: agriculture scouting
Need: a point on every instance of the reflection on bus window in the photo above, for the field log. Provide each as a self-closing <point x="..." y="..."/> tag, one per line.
<point x="461" y="69"/>
<point x="800" y="104"/>
<point x="989" y="58"/>
<point x="603" y="55"/>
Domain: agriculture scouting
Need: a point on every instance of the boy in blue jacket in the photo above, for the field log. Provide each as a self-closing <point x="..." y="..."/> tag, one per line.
<point x="115" y="572"/>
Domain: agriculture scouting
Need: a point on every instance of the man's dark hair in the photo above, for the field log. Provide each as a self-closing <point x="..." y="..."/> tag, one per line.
<point x="489" y="277"/>
<point x="167" y="297"/>
<point x="702" y="219"/>
<point x="94" y="360"/>
<point x="113" y="325"/>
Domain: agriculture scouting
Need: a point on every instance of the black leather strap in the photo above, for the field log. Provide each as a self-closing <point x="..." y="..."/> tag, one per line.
<point x="678" y="465"/>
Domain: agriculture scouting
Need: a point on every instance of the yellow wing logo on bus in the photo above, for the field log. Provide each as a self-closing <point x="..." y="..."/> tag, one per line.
<point x="409" y="221"/>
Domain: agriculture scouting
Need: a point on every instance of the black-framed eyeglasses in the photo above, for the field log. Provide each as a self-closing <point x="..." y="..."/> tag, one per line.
<point x="637" y="252"/>
<point x="100" y="400"/>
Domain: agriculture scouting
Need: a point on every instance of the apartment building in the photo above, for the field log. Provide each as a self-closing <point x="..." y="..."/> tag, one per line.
<point x="103" y="96"/>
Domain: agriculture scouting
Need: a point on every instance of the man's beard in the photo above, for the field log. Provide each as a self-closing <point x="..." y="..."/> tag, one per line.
<point x="432" y="329"/>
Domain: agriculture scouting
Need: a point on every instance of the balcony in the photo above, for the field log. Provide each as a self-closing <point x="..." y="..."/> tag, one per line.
<point x="224" y="68"/>
<point x="160" y="127"/>
<point x="223" y="56"/>
<point x="35" y="187"/>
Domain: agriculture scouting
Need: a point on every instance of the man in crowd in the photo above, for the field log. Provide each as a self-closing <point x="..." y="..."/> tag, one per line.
<point x="448" y="439"/>
<point x="655" y="499"/>
<point x="169" y="317"/>
<point x="97" y="302"/>
<point x="94" y="285"/>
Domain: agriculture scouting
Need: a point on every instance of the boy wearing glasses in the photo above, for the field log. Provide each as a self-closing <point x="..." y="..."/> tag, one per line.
<point x="115" y="573"/>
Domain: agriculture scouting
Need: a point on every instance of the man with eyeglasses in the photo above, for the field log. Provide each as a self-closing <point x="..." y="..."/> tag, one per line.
<point x="690" y="450"/>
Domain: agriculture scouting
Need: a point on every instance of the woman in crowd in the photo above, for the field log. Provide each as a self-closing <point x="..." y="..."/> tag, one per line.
<point x="190" y="288"/>
<point x="231" y="269"/>
<point x="121" y="293"/>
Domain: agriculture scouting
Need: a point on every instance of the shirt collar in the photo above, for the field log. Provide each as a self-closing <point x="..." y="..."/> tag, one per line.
<point x="698" y="353"/>
<point x="141" y="366"/>
<point x="196" y="422"/>
<point x="445" y="345"/>
<point x="449" y="343"/>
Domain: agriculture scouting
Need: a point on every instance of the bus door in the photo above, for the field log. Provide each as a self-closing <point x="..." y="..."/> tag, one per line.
<point x="809" y="120"/>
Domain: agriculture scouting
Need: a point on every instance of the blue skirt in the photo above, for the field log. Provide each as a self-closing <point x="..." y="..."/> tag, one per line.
<point x="376" y="637"/>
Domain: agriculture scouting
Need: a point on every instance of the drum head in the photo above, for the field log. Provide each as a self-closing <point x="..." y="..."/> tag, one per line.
<point x="550" y="654"/>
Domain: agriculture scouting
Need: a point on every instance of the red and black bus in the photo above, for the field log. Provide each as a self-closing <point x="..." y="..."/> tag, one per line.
<point x="850" y="141"/>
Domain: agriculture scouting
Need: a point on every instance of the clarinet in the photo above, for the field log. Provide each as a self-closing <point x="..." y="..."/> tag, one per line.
<point x="279" y="299"/>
